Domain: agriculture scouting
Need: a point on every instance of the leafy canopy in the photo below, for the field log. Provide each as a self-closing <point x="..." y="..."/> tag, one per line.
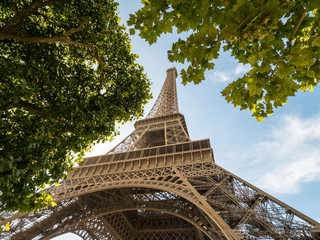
<point x="67" y="77"/>
<point x="279" y="39"/>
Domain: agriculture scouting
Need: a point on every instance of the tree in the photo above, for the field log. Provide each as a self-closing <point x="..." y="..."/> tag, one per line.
<point x="279" y="39"/>
<point x="67" y="77"/>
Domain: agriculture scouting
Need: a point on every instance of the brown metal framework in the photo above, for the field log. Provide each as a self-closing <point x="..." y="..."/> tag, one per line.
<point x="158" y="184"/>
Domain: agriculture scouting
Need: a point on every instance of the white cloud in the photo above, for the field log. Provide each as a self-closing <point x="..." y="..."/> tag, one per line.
<point x="241" y="68"/>
<point x="220" y="76"/>
<point x="291" y="157"/>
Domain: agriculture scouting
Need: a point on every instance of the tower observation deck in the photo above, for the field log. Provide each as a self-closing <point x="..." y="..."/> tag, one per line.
<point x="159" y="184"/>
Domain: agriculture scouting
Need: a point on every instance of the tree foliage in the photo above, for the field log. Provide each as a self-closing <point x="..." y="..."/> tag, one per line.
<point x="67" y="77"/>
<point x="278" y="38"/>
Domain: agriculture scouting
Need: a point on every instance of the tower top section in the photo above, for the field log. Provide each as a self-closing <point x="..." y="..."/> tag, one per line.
<point x="167" y="101"/>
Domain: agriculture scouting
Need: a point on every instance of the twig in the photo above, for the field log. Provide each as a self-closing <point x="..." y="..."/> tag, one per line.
<point x="28" y="38"/>
<point x="16" y="21"/>
<point x="241" y="23"/>
<point x="293" y="34"/>
<point x="25" y="38"/>
<point x="274" y="70"/>
<point x="77" y="29"/>
<point x="67" y="40"/>
<point x="91" y="47"/>
<point x="298" y="25"/>
<point x="21" y="104"/>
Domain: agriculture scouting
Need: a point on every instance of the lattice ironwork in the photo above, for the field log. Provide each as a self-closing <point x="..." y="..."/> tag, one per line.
<point x="167" y="101"/>
<point x="158" y="184"/>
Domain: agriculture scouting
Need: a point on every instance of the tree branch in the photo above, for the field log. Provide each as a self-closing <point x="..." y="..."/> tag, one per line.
<point x="62" y="38"/>
<point x="77" y="29"/>
<point x="70" y="42"/>
<point x="17" y="20"/>
<point x="4" y="34"/>
<point x="91" y="47"/>
<point x="293" y="34"/>
<point x="102" y="64"/>
<point x="21" y="104"/>
<point x="28" y="38"/>
<point x="274" y="70"/>
<point x="298" y="25"/>
<point x="24" y="38"/>
<point x="240" y="24"/>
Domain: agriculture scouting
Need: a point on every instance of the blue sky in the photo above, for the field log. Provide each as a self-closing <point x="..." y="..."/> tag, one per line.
<point x="280" y="155"/>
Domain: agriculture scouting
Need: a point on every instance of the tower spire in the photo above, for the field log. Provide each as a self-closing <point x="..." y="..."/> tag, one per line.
<point x="163" y="125"/>
<point x="167" y="101"/>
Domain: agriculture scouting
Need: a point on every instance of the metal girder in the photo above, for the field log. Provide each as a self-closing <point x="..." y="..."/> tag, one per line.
<point x="155" y="211"/>
<point x="158" y="184"/>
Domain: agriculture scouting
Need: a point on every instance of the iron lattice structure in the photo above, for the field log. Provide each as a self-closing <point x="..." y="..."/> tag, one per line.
<point x="158" y="184"/>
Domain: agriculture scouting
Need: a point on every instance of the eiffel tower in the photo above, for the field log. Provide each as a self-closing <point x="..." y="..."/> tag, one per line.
<point x="158" y="184"/>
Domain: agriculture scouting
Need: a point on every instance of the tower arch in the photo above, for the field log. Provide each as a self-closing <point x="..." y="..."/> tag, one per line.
<point x="157" y="161"/>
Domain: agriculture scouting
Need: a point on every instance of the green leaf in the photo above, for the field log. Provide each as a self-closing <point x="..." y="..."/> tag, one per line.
<point x="253" y="59"/>
<point x="254" y="89"/>
<point x="284" y="71"/>
<point x="57" y="98"/>
<point x="316" y="41"/>
<point x="132" y="31"/>
<point x="259" y="119"/>
<point x="257" y="37"/>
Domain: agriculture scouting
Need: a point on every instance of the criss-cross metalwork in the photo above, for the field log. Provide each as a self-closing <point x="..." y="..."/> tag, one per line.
<point x="158" y="184"/>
